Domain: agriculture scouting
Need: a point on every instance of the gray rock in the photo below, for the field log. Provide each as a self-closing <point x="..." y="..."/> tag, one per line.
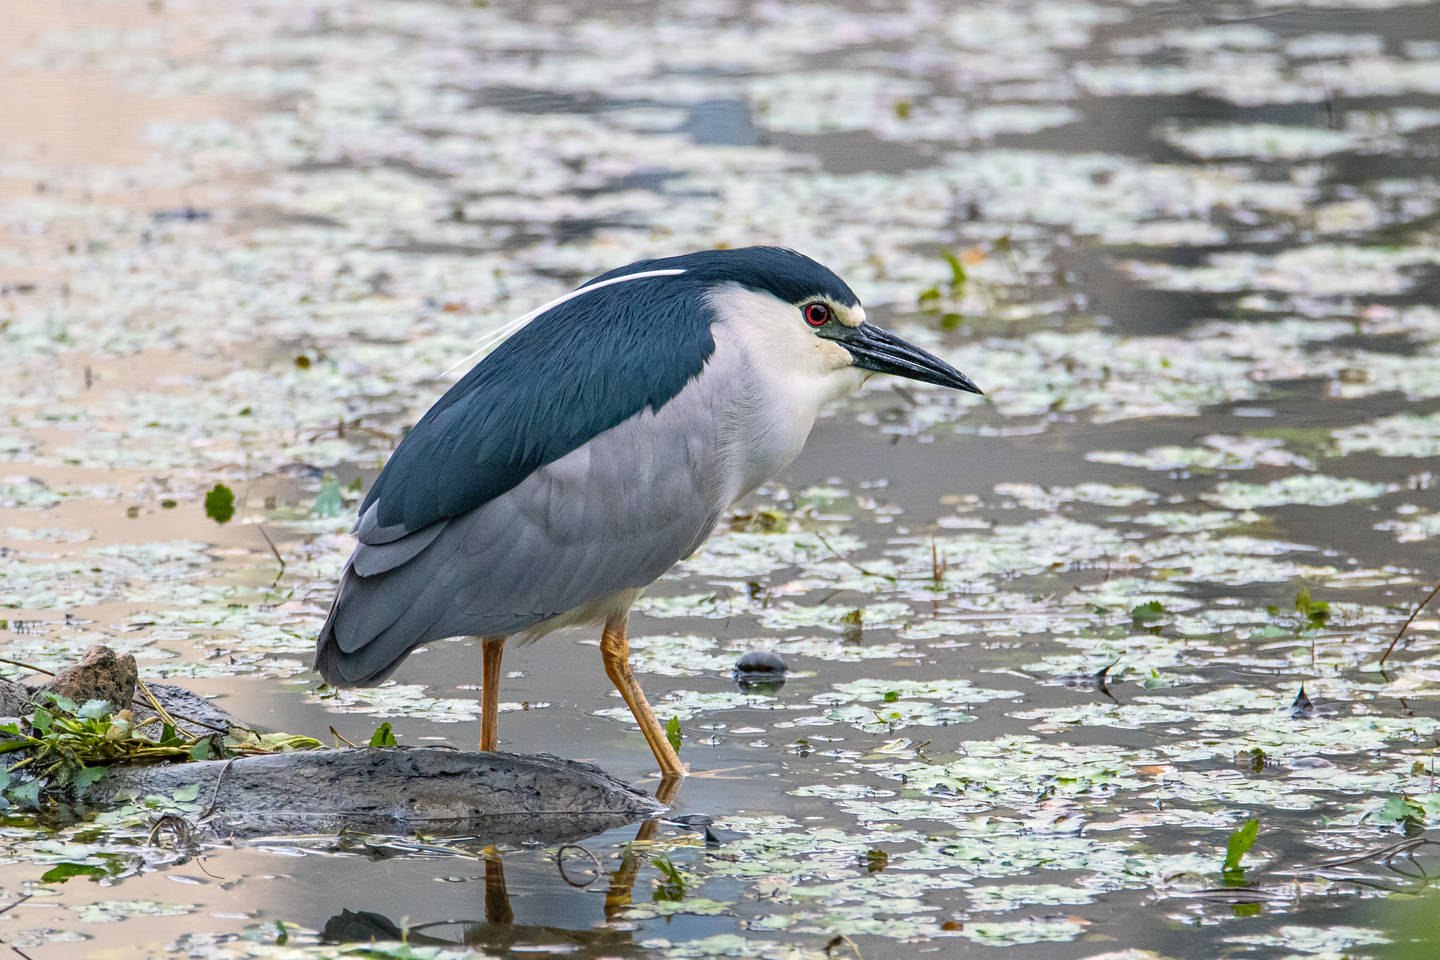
<point x="760" y="671"/>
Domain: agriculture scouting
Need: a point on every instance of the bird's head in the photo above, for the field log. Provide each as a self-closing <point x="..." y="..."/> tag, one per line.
<point x="800" y="317"/>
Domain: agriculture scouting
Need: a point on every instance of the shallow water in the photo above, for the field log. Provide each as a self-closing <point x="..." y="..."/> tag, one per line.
<point x="1194" y="267"/>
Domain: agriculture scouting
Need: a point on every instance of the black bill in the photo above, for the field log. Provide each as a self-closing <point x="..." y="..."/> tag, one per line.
<point x="882" y="351"/>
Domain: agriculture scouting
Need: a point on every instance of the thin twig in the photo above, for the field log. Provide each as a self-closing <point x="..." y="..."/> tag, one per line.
<point x="155" y="704"/>
<point x="178" y="826"/>
<point x="11" y="906"/>
<point x="1235" y="895"/>
<point x="560" y="866"/>
<point x="847" y="561"/>
<point x="340" y="736"/>
<point x="175" y="719"/>
<point x="156" y="718"/>
<point x="354" y="427"/>
<point x="214" y="797"/>
<point x="271" y="543"/>
<point x="419" y="846"/>
<point x="1411" y="619"/>
<point x="27" y="666"/>
<point x="17" y="901"/>
<point x="1388" y="851"/>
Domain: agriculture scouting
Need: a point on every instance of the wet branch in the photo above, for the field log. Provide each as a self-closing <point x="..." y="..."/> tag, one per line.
<point x="1411" y="619"/>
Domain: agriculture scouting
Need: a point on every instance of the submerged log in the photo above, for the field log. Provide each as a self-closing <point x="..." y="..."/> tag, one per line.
<point x="14" y="699"/>
<point x="498" y="797"/>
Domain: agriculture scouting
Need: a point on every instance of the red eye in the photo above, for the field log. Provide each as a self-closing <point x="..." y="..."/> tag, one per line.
<point x="816" y="314"/>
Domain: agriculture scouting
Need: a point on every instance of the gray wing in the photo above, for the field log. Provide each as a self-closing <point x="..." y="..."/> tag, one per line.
<point x="610" y="516"/>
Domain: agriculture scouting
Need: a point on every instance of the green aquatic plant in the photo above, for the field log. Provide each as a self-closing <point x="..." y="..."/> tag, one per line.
<point x="64" y="748"/>
<point x="670" y="886"/>
<point x="1240" y="843"/>
<point x="383" y="736"/>
<point x="329" y="500"/>
<point x="1409" y="812"/>
<point x="1315" y="613"/>
<point x="67" y="747"/>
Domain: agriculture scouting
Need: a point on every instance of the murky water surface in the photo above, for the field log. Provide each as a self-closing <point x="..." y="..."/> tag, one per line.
<point x="1190" y="251"/>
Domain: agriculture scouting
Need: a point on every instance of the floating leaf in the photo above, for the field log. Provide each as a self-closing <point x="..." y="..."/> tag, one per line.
<point x="65" y="871"/>
<point x="329" y="501"/>
<point x="1147" y="612"/>
<point x="220" y="503"/>
<point x="1401" y="809"/>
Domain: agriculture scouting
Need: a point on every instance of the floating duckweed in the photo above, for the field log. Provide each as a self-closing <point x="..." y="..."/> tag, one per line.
<point x="995" y="741"/>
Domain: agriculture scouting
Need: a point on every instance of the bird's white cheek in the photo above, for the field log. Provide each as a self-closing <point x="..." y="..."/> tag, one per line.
<point x="848" y="380"/>
<point x="841" y="377"/>
<point x="832" y="356"/>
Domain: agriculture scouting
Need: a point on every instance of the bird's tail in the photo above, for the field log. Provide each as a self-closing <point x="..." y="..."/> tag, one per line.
<point x="357" y="668"/>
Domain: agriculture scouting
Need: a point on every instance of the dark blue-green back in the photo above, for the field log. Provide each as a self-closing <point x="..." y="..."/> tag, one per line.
<point x="573" y="372"/>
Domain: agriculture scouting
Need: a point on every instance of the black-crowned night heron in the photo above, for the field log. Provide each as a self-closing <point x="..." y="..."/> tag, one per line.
<point x="591" y="451"/>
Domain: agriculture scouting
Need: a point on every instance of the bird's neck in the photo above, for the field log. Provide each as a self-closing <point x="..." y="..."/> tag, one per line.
<point x="777" y="378"/>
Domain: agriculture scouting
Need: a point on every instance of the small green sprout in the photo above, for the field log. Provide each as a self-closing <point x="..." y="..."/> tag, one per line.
<point x="1240" y="843"/>
<point x="672" y="887"/>
<point x="958" y="276"/>
<point x="1315" y="613"/>
<point x="383" y="736"/>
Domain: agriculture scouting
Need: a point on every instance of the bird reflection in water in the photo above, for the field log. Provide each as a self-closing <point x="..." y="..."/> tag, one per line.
<point x="499" y="931"/>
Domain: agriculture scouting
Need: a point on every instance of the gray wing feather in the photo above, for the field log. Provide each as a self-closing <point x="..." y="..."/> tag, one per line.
<point x="610" y="516"/>
<point x="389" y="554"/>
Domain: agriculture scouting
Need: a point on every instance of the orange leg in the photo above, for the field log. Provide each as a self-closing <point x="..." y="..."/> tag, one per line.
<point x="497" y="896"/>
<point x="622" y="881"/>
<point x="494" y="648"/>
<point x="615" y="651"/>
